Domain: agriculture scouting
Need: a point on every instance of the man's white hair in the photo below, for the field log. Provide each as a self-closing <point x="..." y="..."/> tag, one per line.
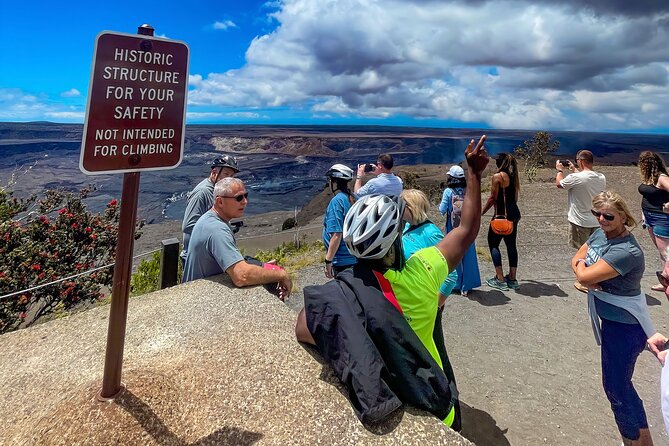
<point x="224" y="187"/>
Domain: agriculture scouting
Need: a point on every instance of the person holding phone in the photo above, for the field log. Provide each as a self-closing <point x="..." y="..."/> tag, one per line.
<point x="582" y="184"/>
<point x="611" y="264"/>
<point x="385" y="183"/>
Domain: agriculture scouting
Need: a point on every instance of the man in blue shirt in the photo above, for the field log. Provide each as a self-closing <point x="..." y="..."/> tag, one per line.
<point x="213" y="249"/>
<point x="385" y="183"/>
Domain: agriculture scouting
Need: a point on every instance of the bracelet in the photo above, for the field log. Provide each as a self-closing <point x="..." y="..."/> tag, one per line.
<point x="580" y="260"/>
<point x="561" y="171"/>
<point x="327" y="262"/>
<point x="358" y="178"/>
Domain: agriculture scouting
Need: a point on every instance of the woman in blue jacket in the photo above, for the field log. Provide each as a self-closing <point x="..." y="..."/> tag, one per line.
<point x="450" y="207"/>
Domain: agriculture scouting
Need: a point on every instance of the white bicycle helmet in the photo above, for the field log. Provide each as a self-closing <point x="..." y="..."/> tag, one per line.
<point x="372" y="225"/>
<point x="340" y="171"/>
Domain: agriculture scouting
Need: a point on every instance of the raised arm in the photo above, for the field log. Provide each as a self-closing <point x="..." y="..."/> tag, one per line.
<point x="454" y="245"/>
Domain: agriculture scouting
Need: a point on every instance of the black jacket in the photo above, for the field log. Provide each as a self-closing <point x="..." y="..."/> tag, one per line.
<point x="372" y="348"/>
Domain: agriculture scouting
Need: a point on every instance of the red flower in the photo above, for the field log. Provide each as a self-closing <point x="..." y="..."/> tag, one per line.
<point x="112" y="203"/>
<point x="69" y="215"/>
<point x="62" y="211"/>
<point x="89" y="229"/>
<point x="23" y="315"/>
<point x="94" y="237"/>
<point x="74" y="225"/>
<point x="35" y="267"/>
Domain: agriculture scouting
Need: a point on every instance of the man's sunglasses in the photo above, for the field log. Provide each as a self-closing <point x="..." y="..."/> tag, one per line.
<point x="607" y="217"/>
<point x="239" y="197"/>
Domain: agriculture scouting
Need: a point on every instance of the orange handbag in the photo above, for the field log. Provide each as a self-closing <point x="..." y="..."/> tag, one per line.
<point x="499" y="224"/>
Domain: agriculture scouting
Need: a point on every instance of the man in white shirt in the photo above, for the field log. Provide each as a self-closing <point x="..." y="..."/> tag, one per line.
<point x="582" y="184"/>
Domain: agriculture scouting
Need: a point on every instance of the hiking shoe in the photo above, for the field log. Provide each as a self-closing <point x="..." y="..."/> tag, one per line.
<point x="512" y="283"/>
<point x="464" y="293"/>
<point x="497" y="284"/>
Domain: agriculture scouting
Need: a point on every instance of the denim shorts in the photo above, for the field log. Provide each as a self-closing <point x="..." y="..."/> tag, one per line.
<point x="659" y="221"/>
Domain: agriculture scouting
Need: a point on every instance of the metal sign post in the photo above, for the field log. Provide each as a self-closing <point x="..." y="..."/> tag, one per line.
<point x="135" y="121"/>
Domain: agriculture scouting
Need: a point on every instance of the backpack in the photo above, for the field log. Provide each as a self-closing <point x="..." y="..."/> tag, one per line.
<point x="456" y="207"/>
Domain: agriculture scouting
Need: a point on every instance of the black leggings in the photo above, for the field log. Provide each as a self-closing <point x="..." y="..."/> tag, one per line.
<point x="509" y="240"/>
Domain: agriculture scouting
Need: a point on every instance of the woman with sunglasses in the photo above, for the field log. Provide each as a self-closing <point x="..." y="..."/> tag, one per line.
<point x="654" y="189"/>
<point x="611" y="264"/>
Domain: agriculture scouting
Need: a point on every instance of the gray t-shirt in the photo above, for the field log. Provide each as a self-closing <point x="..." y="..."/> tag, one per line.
<point x="625" y="256"/>
<point x="212" y="248"/>
<point x="200" y="200"/>
<point x="384" y="183"/>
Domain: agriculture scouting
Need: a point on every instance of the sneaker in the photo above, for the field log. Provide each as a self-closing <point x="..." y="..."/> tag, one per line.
<point x="464" y="293"/>
<point x="497" y="284"/>
<point x="512" y="283"/>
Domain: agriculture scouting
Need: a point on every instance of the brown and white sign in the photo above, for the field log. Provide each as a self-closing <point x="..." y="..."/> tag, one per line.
<point x="136" y="110"/>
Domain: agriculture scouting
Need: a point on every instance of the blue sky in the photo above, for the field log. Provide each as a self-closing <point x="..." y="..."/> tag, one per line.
<point x="581" y="65"/>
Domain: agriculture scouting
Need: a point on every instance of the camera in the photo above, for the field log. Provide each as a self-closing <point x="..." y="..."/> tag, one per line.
<point x="369" y="167"/>
<point x="565" y="163"/>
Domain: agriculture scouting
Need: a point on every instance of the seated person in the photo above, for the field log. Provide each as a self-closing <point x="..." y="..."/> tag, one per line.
<point x="213" y="249"/>
<point x="201" y="199"/>
<point x="356" y="321"/>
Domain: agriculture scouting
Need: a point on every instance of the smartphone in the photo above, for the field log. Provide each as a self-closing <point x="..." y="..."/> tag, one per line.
<point x="369" y="167"/>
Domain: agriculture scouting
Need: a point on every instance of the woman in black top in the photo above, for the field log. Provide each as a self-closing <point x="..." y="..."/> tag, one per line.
<point x="654" y="189"/>
<point x="504" y="197"/>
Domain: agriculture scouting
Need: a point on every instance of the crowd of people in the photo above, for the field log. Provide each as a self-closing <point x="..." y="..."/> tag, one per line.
<point x="378" y="322"/>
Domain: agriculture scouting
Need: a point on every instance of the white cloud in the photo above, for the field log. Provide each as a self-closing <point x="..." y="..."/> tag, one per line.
<point x="507" y="63"/>
<point x="247" y="115"/>
<point x="17" y="105"/>
<point x="197" y="116"/>
<point x="225" y="24"/>
<point x="79" y="116"/>
<point x="71" y="93"/>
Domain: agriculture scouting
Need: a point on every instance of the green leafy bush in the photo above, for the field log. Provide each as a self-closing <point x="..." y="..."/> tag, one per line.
<point x="146" y="278"/>
<point x="45" y="239"/>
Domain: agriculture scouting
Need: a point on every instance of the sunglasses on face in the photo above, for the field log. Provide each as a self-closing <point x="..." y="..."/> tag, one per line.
<point x="239" y="197"/>
<point x="607" y="217"/>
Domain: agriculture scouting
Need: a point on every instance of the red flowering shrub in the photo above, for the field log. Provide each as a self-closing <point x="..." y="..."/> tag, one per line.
<point x="48" y="239"/>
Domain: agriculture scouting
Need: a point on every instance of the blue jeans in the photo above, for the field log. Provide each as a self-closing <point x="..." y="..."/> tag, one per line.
<point x="621" y="346"/>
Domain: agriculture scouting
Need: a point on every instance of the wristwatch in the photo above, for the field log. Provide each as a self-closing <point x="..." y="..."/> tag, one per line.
<point x="327" y="262"/>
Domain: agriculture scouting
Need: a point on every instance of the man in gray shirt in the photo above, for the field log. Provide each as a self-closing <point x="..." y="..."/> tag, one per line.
<point x="201" y="199"/>
<point x="385" y="183"/>
<point x="213" y="249"/>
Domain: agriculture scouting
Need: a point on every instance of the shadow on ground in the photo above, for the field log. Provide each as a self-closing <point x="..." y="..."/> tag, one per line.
<point x="488" y="298"/>
<point x="532" y="288"/>
<point x="481" y="428"/>
<point x="651" y="301"/>
<point x="154" y="426"/>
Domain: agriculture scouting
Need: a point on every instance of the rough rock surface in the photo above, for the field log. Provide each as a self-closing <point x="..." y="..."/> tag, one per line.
<point x="204" y="364"/>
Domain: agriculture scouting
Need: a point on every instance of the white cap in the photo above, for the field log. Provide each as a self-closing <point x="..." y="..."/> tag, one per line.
<point x="456" y="172"/>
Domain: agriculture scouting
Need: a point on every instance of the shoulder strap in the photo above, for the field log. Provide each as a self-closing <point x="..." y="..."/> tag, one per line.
<point x="503" y="202"/>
